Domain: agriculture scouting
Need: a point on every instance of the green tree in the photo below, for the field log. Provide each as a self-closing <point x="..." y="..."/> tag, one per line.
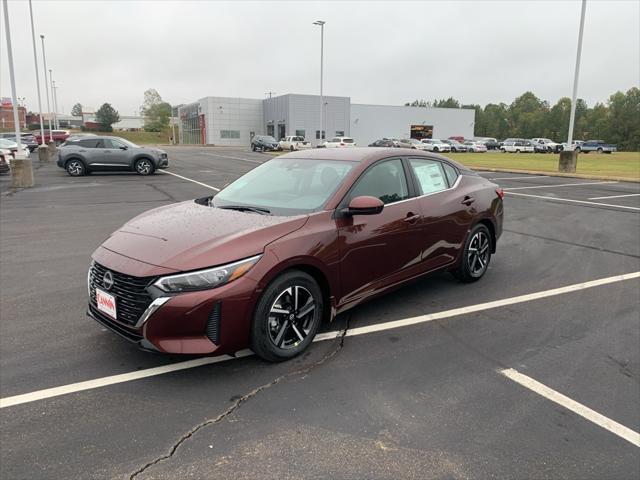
<point x="156" y="112"/>
<point x="624" y="119"/>
<point x="495" y="121"/>
<point x="107" y="116"/>
<point x="527" y="114"/>
<point x="76" y="111"/>
<point x="448" y="103"/>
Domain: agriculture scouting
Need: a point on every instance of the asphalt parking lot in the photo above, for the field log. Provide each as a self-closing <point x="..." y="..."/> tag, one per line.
<point x="514" y="376"/>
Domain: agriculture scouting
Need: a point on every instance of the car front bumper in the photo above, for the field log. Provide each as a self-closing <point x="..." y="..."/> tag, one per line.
<point x="206" y="322"/>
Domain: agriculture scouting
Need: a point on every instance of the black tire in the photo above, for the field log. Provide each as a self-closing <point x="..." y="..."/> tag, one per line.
<point x="435" y="149"/>
<point x="144" y="166"/>
<point x="517" y="151"/>
<point x="599" y="149"/>
<point x="276" y="336"/>
<point x="75" y="167"/>
<point x="578" y="149"/>
<point x="469" y="269"/>
<point x="291" y="148"/>
<point x="253" y="148"/>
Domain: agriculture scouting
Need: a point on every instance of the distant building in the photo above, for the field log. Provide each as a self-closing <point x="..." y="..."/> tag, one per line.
<point x="6" y="116"/>
<point x="234" y="121"/>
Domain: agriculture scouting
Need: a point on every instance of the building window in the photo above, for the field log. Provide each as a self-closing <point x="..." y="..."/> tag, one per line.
<point x="421" y="131"/>
<point x="318" y="134"/>
<point x="229" y="133"/>
<point x="339" y="133"/>
<point x="270" y="130"/>
<point x="300" y="133"/>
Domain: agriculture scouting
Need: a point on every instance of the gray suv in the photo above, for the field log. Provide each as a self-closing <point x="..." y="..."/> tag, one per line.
<point x="82" y="155"/>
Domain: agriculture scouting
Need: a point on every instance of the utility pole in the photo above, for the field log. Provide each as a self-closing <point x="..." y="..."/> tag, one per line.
<point x="321" y="24"/>
<point x="55" y="103"/>
<point x="46" y="87"/>
<point x="21" y="168"/>
<point x="270" y="93"/>
<point x="569" y="158"/>
<point x="572" y="117"/>
<point x="35" y="61"/>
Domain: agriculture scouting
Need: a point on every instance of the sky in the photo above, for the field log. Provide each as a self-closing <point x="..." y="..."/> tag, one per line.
<point x="380" y="52"/>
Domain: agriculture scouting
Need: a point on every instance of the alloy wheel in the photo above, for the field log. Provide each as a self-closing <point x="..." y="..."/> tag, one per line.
<point x="478" y="254"/>
<point x="75" y="168"/>
<point x="291" y="317"/>
<point x="143" y="167"/>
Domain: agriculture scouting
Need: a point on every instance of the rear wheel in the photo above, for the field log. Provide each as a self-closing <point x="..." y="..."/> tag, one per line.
<point x="578" y="149"/>
<point x="253" y="147"/>
<point x="75" y="168"/>
<point x="599" y="149"/>
<point x="287" y="317"/>
<point x="435" y="149"/>
<point x="144" y="166"/>
<point x="291" y="148"/>
<point x="476" y="255"/>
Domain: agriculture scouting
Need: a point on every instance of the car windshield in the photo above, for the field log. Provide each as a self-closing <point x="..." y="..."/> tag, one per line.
<point x="267" y="139"/>
<point x="7" y="143"/>
<point x="286" y="186"/>
<point x="347" y="140"/>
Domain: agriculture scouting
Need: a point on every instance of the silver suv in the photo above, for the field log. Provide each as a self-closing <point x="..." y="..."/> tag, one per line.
<point x="82" y="155"/>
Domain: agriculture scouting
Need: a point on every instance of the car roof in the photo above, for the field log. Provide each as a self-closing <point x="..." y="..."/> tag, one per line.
<point x="362" y="155"/>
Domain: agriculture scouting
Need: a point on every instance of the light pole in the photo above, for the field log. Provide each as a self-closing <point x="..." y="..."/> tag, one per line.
<point x="46" y="87"/>
<point x="572" y="116"/>
<point x="54" y="99"/>
<point x="21" y="169"/>
<point x="321" y="23"/>
<point x="35" y="61"/>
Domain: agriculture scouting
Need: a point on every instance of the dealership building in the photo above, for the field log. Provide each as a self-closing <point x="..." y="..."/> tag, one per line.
<point x="234" y="121"/>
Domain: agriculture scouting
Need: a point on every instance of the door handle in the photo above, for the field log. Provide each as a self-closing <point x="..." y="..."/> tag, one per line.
<point x="411" y="217"/>
<point x="468" y="200"/>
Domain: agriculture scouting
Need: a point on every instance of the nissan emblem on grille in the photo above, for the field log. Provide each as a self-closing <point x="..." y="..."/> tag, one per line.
<point x="107" y="280"/>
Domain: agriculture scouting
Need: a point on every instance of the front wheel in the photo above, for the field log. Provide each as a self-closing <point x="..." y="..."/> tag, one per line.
<point x="577" y="150"/>
<point x="253" y="148"/>
<point x="75" y="168"/>
<point x="599" y="149"/>
<point x="144" y="166"/>
<point x="291" y="148"/>
<point x="475" y="256"/>
<point x="287" y="317"/>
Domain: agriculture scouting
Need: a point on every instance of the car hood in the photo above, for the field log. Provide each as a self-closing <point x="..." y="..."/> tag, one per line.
<point x="187" y="236"/>
<point x="150" y="150"/>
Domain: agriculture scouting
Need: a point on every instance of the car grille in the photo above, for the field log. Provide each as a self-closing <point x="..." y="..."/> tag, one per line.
<point x="132" y="298"/>
<point x="213" y="324"/>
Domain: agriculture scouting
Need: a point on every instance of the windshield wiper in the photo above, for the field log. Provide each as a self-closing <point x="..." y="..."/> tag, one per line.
<point x="247" y="208"/>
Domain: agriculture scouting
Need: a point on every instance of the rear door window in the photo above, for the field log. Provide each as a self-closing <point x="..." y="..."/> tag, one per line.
<point x="88" y="143"/>
<point x="430" y="175"/>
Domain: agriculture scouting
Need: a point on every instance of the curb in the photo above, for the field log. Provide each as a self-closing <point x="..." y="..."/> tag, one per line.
<point x="556" y="174"/>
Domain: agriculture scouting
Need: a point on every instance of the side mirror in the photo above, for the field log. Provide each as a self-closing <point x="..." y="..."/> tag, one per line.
<point x="364" y="205"/>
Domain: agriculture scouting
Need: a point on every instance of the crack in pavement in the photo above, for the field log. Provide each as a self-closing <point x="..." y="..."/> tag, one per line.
<point x="243" y="399"/>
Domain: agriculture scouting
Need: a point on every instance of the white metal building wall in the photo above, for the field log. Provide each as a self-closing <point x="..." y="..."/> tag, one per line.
<point x="372" y="122"/>
<point x="243" y="115"/>
<point x="302" y="112"/>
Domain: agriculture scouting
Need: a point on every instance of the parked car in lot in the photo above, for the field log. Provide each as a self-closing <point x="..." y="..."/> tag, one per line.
<point x="12" y="146"/>
<point x="383" y="143"/>
<point x="598" y="146"/>
<point x="489" y="142"/>
<point x="456" y="146"/>
<point x="475" y="147"/>
<point x="518" y="145"/>
<point x="550" y="145"/>
<point x="290" y="244"/>
<point x="457" y="138"/>
<point x="83" y="155"/>
<point x="412" y="143"/>
<point x="435" y="145"/>
<point x="26" y="139"/>
<point x="339" y="142"/>
<point x="293" y="143"/>
<point x="5" y="159"/>
<point x="264" y="143"/>
<point x="59" y="136"/>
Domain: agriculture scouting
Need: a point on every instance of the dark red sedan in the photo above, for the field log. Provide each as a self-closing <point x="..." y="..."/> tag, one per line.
<point x="292" y="243"/>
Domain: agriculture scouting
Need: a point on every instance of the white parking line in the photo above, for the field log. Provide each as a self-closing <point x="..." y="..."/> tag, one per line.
<point x="582" y="410"/>
<point x="233" y="158"/>
<point x="174" y="367"/>
<point x="561" y="185"/>
<point x="190" y="180"/>
<point x="616" y="196"/>
<point x="521" y="178"/>
<point x="573" y="201"/>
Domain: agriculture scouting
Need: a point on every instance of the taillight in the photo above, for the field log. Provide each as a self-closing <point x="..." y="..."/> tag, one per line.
<point x="500" y="192"/>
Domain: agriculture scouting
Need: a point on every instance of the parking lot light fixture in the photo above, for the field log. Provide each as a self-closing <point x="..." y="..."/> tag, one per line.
<point x="321" y="24"/>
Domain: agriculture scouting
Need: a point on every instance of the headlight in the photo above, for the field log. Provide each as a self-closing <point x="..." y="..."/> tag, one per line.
<point x="208" y="278"/>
